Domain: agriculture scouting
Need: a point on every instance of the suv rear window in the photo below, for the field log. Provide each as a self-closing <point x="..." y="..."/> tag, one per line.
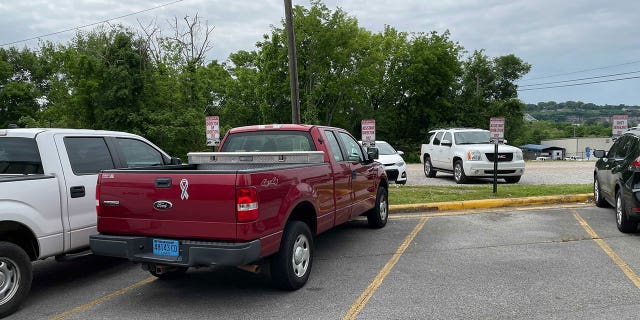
<point x="19" y="156"/>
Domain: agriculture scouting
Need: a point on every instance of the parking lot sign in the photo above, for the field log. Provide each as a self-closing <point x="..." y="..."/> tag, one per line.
<point x="620" y="124"/>
<point x="496" y="127"/>
<point x="213" y="130"/>
<point x="368" y="128"/>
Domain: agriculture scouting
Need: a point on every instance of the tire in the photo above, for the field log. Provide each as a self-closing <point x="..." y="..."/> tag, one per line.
<point x="458" y="173"/>
<point x="401" y="182"/>
<point x="15" y="277"/>
<point x="173" y="274"/>
<point x="291" y="266"/>
<point x="428" y="168"/>
<point x="623" y="222"/>
<point x="512" y="179"/>
<point x="378" y="216"/>
<point x="597" y="194"/>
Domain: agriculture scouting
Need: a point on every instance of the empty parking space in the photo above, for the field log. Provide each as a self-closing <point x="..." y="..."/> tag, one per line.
<point x="502" y="263"/>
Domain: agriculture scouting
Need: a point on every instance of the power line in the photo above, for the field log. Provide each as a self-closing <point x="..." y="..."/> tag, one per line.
<point x="579" y="84"/>
<point x="580" y="79"/>
<point x="585" y="70"/>
<point x="91" y="24"/>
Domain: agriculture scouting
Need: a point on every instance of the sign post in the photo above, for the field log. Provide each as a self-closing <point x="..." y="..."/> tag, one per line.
<point x="213" y="131"/>
<point x="368" y="129"/>
<point x="496" y="129"/>
<point x="620" y="124"/>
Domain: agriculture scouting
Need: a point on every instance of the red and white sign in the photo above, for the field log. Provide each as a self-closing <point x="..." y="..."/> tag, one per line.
<point x="368" y="128"/>
<point x="213" y="130"/>
<point x="496" y="127"/>
<point x="620" y="124"/>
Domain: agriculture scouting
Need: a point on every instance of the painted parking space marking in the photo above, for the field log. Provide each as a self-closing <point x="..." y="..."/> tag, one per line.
<point x="607" y="249"/>
<point x="357" y="306"/>
<point x="102" y="299"/>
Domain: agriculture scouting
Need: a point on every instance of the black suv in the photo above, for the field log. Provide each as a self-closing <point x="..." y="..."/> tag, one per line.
<point x="616" y="180"/>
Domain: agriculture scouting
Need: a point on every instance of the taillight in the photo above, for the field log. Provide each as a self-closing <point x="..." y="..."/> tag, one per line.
<point x="636" y="163"/>
<point x="98" y="193"/>
<point x="246" y="204"/>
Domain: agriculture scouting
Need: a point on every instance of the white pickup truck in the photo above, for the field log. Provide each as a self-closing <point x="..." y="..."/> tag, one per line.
<point x="47" y="195"/>
<point x="468" y="153"/>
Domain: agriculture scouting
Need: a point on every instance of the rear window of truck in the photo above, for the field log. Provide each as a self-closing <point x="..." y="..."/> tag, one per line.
<point x="268" y="141"/>
<point x="19" y="156"/>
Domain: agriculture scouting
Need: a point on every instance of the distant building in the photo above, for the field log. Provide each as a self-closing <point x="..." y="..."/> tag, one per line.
<point x="540" y="152"/>
<point x="577" y="147"/>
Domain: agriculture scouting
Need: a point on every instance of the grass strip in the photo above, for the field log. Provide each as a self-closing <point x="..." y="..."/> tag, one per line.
<point x="403" y="194"/>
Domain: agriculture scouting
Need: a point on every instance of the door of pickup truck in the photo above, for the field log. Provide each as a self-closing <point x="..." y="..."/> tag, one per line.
<point x="363" y="177"/>
<point x="82" y="157"/>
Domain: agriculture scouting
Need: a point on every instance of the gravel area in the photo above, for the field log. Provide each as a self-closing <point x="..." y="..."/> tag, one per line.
<point x="536" y="172"/>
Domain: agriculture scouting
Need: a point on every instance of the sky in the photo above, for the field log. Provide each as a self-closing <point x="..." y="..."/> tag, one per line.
<point x="593" y="40"/>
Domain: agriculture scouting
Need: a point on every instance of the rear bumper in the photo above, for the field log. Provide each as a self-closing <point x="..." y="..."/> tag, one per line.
<point x="192" y="253"/>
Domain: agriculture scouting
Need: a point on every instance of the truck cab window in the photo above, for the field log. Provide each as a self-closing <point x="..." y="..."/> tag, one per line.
<point x="137" y="153"/>
<point x="334" y="146"/>
<point x="19" y="156"/>
<point x="88" y="155"/>
<point x="354" y="151"/>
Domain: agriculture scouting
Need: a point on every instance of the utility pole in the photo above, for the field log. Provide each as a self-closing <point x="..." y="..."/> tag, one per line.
<point x="293" y="64"/>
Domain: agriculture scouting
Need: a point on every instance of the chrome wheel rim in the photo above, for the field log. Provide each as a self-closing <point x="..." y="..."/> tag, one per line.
<point x="457" y="172"/>
<point x="596" y="193"/>
<point x="301" y="255"/>
<point x="619" y="210"/>
<point x="9" y="279"/>
<point x="383" y="209"/>
<point x="427" y="168"/>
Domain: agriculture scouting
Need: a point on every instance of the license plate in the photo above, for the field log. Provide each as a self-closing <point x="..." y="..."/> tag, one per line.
<point x="163" y="247"/>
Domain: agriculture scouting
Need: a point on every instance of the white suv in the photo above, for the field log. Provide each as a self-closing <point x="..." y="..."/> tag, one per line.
<point x="469" y="153"/>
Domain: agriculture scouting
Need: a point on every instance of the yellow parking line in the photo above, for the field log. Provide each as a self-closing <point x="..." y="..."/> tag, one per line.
<point x="357" y="306"/>
<point x="605" y="247"/>
<point x="110" y="296"/>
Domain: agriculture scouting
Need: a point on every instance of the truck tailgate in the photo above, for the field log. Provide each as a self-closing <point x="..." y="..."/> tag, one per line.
<point x="178" y="205"/>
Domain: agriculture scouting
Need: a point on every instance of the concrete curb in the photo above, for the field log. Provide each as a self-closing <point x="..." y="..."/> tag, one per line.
<point x="490" y="203"/>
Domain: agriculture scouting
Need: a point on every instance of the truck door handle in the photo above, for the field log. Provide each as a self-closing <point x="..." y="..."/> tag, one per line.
<point x="77" y="192"/>
<point x="163" y="182"/>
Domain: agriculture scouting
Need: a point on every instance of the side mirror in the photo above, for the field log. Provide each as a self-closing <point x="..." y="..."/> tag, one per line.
<point x="175" y="161"/>
<point x="599" y="153"/>
<point x="400" y="153"/>
<point x="445" y="143"/>
<point x="372" y="154"/>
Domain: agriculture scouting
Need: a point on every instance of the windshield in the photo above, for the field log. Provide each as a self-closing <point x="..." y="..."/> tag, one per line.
<point x="385" y="148"/>
<point x="472" y="137"/>
<point x="19" y="156"/>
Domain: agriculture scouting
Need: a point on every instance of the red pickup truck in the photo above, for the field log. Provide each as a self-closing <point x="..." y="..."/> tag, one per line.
<point x="258" y="202"/>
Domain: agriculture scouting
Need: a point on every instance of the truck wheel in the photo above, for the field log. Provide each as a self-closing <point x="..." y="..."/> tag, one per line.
<point x="458" y="172"/>
<point x="290" y="267"/>
<point x="169" y="275"/>
<point x="379" y="215"/>
<point x="623" y="222"/>
<point x="512" y="179"/>
<point x="15" y="277"/>
<point x="428" y="168"/>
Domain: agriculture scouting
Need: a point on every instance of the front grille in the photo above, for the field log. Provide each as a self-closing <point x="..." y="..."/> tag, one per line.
<point x="392" y="175"/>
<point x="500" y="171"/>
<point x="502" y="157"/>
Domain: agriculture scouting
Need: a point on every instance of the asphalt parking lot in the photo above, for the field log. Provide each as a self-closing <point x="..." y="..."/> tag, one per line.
<point x="554" y="262"/>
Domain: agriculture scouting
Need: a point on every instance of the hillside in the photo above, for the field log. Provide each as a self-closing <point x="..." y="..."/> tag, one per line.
<point x="580" y="112"/>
